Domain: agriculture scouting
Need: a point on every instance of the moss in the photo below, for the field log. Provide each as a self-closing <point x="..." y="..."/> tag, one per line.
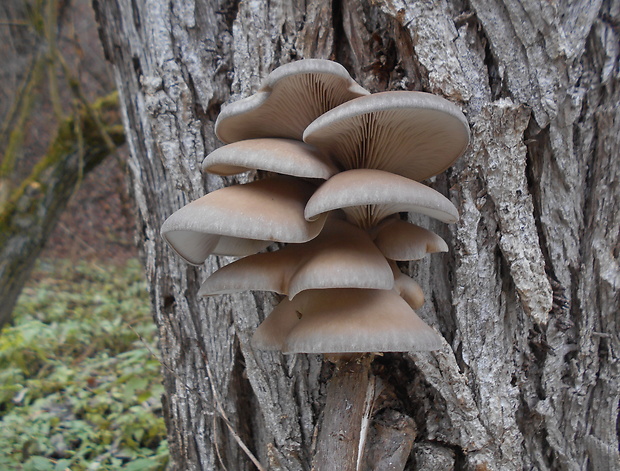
<point x="21" y="109"/>
<point x="64" y="145"/>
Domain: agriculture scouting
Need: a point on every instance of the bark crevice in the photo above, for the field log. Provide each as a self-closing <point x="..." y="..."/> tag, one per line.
<point x="506" y="392"/>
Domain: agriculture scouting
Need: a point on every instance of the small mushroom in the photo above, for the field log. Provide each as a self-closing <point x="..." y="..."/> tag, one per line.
<point x="283" y="156"/>
<point x="341" y="256"/>
<point x="407" y="288"/>
<point x="291" y="97"/>
<point x="343" y="321"/>
<point x="402" y="241"/>
<point x="368" y="196"/>
<point x="413" y="134"/>
<point x="242" y="219"/>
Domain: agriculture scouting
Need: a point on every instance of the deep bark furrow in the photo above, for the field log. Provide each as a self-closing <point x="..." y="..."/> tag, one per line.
<point x="537" y="235"/>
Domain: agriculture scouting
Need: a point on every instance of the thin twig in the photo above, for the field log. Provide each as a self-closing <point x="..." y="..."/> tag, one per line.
<point x="50" y="24"/>
<point x="227" y="422"/>
<point x="216" y="399"/>
<point x="76" y="87"/>
<point x="15" y="23"/>
<point x="368" y="406"/>
<point x="80" y="240"/>
<point x="215" y="441"/>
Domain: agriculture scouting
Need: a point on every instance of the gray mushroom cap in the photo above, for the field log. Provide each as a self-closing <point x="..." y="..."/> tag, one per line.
<point x="341" y="256"/>
<point x="407" y="288"/>
<point x="242" y="219"/>
<point x="368" y="196"/>
<point x="413" y="134"/>
<point x="291" y="97"/>
<point x="403" y="241"/>
<point x="283" y="156"/>
<point x="345" y="320"/>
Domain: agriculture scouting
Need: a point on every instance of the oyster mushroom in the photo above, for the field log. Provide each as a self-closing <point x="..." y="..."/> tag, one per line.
<point x="341" y="256"/>
<point x="242" y="219"/>
<point x="413" y="134"/>
<point x="345" y="320"/>
<point x="290" y="98"/>
<point x="407" y="288"/>
<point x="369" y="196"/>
<point x="403" y="241"/>
<point x="283" y="156"/>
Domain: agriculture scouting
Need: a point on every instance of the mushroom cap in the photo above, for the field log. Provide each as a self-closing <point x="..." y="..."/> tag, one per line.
<point x="241" y="219"/>
<point x="400" y="240"/>
<point x="291" y="97"/>
<point x="284" y="156"/>
<point x="407" y="288"/>
<point x="341" y="256"/>
<point x="345" y="320"/>
<point x="414" y="134"/>
<point x="368" y="196"/>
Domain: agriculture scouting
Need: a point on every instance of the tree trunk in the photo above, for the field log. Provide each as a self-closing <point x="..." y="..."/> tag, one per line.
<point x="32" y="210"/>
<point x="527" y="299"/>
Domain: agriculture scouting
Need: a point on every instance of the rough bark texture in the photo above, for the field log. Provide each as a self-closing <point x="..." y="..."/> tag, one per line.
<point x="527" y="299"/>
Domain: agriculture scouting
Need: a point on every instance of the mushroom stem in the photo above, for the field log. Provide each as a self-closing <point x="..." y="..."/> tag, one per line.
<point x="348" y="407"/>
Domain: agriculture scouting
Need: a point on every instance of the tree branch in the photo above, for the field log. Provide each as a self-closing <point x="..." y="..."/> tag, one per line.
<point x="32" y="210"/>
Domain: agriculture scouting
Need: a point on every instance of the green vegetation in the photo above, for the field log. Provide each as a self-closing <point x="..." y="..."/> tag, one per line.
<point x="79" y="389"/>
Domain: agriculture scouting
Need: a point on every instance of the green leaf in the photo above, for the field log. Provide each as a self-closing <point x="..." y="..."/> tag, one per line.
<point x="62" y="465"/>
<point x="143" y="464"/>
<point x="38" y="463"/>
<point x="87" y="377"/>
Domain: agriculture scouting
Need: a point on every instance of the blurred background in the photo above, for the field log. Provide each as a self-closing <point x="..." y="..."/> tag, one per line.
<point x="79" y="375"/>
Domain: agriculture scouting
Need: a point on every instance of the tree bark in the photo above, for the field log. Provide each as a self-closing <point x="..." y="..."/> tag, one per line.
<point x="527" y="299"/>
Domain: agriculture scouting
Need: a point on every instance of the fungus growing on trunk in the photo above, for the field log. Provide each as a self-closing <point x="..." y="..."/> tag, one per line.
<point x="341" y="256"/>
<point x="284" y="156"/>
<point x="345" y="320"/>
<point x="369" y="196"/>
<point x="383" y="143"/>
<point x="413" y="134"/>
<point x="242" y="220"/>
<point x="345" y="291"/>
<point x="290" y="98"/>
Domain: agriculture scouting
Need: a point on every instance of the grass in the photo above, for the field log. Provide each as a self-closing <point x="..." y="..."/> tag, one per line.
<point x="79" y="389"/>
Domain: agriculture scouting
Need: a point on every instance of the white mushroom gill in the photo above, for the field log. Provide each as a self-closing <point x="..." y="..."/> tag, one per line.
<point x="413" y="134"/>
<point x="291" y="97"/>
<point x="345" y="291"/>
<point x="384" y="193"/>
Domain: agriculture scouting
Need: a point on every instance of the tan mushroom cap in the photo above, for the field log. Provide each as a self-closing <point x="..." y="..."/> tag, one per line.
<point x="242" y="219"/>
<point x="407" y="288"/>
<point x="368" y="196"/>
<point x="402" y="241"/>
<point x="345" y="320"/>
<point x="283" y="156"/>
<point x="291" y="97"/>
<point x="341" y="256"/>
<point x="413" y="134"/>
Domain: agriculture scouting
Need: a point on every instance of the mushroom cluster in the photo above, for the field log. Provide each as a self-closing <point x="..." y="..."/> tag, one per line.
<point x="347" y="163"/>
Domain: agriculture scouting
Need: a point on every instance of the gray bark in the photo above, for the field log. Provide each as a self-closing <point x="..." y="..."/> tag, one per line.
<point x="527" y="300"/>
